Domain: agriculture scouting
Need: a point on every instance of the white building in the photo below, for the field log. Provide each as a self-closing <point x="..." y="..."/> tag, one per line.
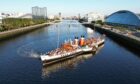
<point x="93" y="16"/>
<point x="14" y="15"/>
<point x="51" y="17"/>
<point x="38" y="12"/>
<point x="28" y="15"/>
<point x="11" y="15"/>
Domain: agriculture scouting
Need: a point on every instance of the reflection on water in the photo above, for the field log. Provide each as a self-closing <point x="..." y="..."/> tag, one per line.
<point x="71" y="63"/>
<point x="67" y="64"/>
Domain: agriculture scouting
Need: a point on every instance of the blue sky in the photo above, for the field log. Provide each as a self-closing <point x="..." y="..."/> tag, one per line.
<point x="70" y="7"/>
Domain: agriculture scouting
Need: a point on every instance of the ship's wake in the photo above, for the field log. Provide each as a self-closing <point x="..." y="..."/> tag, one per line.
<point x="34" y="49"/>
<point x="26" y="51"/>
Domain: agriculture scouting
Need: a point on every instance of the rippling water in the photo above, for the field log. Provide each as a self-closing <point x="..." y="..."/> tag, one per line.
<point x="20" y="63"/>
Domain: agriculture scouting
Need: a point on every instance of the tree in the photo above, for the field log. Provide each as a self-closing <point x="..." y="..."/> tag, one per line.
<point x="93" y="22"/>
<point x="100" y="22"/>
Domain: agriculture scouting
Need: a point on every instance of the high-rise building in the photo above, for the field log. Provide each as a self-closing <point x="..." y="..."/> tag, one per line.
<point x="60" y="15"/>
<point x="79" y="16"/>
<point x="38" y="12"/>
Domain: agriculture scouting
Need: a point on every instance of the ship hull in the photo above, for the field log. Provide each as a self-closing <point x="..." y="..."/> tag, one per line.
<point x="52" y="61"/>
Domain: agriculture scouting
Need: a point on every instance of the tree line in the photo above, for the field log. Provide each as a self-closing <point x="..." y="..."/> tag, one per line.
<point x="14" y="23"/>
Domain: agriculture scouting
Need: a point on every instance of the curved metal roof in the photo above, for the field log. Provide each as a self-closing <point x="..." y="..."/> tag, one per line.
<point x="124" y="17"/>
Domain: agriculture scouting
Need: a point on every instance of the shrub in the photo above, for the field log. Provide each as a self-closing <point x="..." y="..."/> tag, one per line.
<point x="100" y="22"/>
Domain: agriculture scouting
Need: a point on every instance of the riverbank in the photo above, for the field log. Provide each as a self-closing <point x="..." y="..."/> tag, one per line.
<point x="15" y="32"/>
<point x="125" y="38"/>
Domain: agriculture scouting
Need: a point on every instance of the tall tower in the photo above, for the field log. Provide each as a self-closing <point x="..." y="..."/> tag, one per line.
<point x="79" y="16"/>
<point x="60" y="15"/>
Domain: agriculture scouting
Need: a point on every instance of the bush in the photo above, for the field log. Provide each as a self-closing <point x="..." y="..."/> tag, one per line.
<point x="100" y="22"/>
<point x="93" y="22"/>
<point x="82" y="20"/>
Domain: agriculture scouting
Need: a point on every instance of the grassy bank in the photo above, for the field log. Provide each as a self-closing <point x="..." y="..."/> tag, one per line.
<point x="15" y="23"/>
<point x="16" y="32"/>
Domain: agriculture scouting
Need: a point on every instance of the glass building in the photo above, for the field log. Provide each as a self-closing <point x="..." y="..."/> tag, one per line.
<point x="124" y="18"/>
<point x="38" y="12"/>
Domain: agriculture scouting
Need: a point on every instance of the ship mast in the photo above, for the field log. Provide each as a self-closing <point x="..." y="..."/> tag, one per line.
<point x="58" y="36"/>
<point x="69" y="32"/>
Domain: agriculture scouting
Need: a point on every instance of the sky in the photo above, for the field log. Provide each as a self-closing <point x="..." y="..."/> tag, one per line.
<point x="71" y="7"/>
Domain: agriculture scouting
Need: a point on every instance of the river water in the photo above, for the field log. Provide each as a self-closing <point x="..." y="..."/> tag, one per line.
<point x="20" y="64"/>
